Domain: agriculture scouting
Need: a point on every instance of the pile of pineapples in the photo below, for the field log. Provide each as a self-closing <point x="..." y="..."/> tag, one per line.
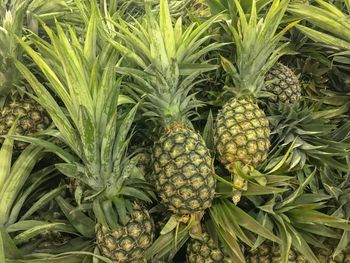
<point x="193" y="131"/>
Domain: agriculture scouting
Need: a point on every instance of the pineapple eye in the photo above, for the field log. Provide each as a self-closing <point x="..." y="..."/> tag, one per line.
<point x="35" y="116"/>
<point x="127" y="244"/>
<point x="217" y="255"/>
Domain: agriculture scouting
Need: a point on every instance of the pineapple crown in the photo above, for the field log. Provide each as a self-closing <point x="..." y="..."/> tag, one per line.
<point x="256" y="45"/>
<point x="94" y="126"/>
<point x="295" y="216"/>
<point x="14" y="16"/>
<point x="165" y="55"/>
<point x="308" y="128"/>
<point x="337" y="184"/>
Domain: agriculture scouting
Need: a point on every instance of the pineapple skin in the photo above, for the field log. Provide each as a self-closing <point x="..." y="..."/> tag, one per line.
<point x="144" y="164"/>
<point x="128" y="242"/>
<point x="32" y="119"/>
<point x="242" y="133"/>
<point x="183" y="171"/>
<point x="285" y="85"/>
<point x="205" y="251"/>
<point x="270" y="253"/>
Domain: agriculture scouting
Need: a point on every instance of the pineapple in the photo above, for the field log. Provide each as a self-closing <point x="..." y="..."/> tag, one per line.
<point x="183" y="171"/>
<point x="32" y="117"/>
<point x="269" y="252"/>
<point x="127" y="242"/>
<point x="242" y="133"/>
<point x="182" y="164"/>
<point x="205" y="250"/>
<point x="283" y="84"/>
<point x="96" y="132"/>
<point x="242" y="128"/>
<point x="162" y="59"/>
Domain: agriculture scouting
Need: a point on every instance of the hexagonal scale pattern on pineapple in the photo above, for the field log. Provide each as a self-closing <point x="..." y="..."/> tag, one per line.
<point x="128" y="242"/>
<point x="184" y="171"/>
<point x="31" y="116"/>
<point x="284" y="84"/>
<point x="242" y="133"/>
<point x="205" y="250"/>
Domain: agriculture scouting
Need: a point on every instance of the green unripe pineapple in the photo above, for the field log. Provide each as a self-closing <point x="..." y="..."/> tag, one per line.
<point x="242" y="133"/>
<point x="182" y="166"/>
<point x="205" y="251"/>
<point x="31" y="116"/>
<point x="269" y="252"/>
<point x="283" y="84"/>
<point x="242" y="129"/>
<point x="184" y="171"/>
<point x="128" y="242"/>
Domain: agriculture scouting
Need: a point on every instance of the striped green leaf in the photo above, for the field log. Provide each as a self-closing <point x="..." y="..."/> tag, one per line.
<point x="6" y="157"/>
<point x="167" y="29"/>
<point x="89" y="139"/>
<point x="324" y="38"/>
<point x="20" y="171"/>
<point x="36" y="179"/>
<point x="47" y="197"/>
<point x="8" y="248"/>
<point x="84" y="224"/>
<point x="50" y="104"/>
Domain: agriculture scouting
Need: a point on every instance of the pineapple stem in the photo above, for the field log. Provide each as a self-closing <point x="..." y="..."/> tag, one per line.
<point x="196" y="229"/>
<point x="240" y="182"/>
<point x="220" y="179"/>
